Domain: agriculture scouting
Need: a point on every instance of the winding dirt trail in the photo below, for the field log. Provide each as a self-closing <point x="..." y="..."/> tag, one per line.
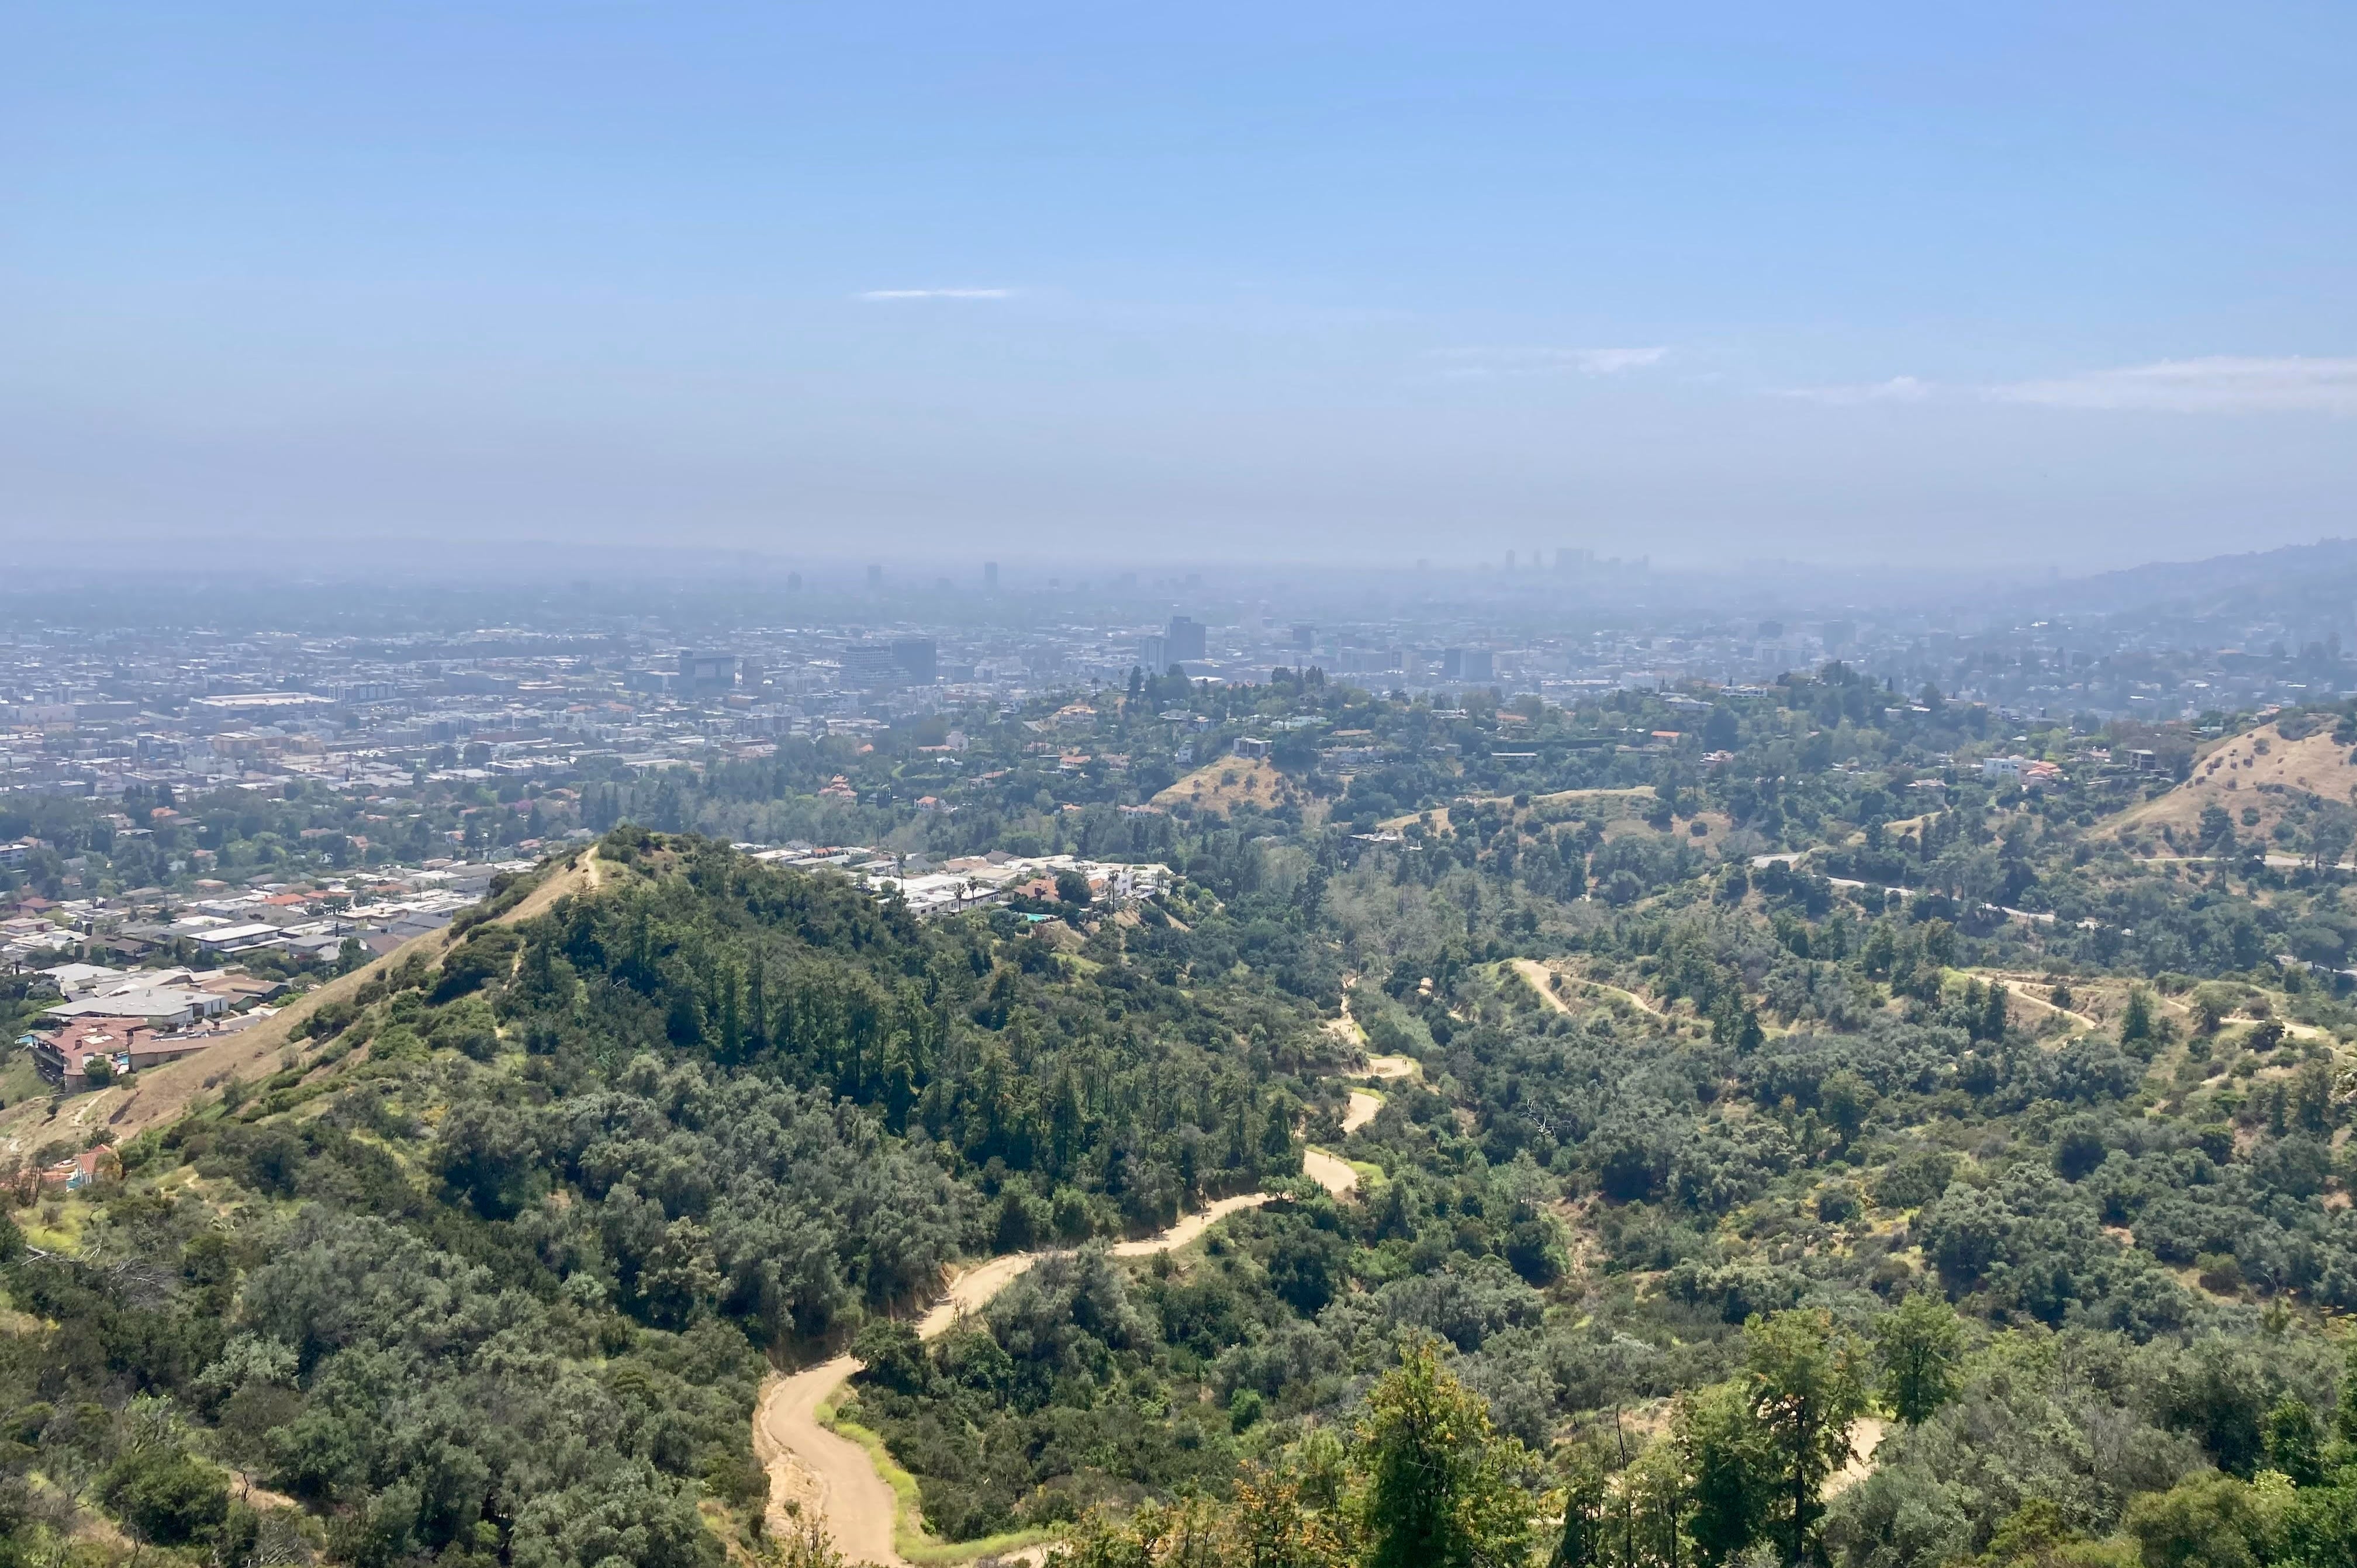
<point x="833" y="1476"/>
<point x="823" y="1472"/>
<point x="1187" y="1230"/>
<point x="1345" y="1027"/>
<point x="1541" y="979"/>
<point x="1329" y="1171"/>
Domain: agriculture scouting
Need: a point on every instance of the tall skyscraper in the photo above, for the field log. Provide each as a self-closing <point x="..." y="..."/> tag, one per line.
<point x="875" y="577"/>
<point x="1184" y="637"/>
<point x="1466" y="664"/>
<point x="914" y="655"/>
<point x="990" y="575"/>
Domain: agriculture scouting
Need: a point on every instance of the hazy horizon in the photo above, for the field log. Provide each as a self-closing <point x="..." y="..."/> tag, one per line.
<point x="363" y="556"/>
<point x="2009" y="292"/>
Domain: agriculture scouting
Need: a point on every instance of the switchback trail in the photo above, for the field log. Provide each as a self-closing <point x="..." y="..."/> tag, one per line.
<point x="832" y="1474"/>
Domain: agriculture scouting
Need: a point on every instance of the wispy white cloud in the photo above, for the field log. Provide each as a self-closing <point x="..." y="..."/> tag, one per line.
<point x="1613" y="362"/>
<point x="1897" y="389"/>
<point x="1537" y="360"/>
<point x="2220" y="384"/>
<point x="882" y="295"/>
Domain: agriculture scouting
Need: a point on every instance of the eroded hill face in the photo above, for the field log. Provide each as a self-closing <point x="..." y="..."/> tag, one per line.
<point x="2260" y="772"/>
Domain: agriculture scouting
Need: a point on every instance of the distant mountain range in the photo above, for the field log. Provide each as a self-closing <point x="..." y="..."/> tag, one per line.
<point x="2295" y="571"/>
<point x="2308" y="591"/>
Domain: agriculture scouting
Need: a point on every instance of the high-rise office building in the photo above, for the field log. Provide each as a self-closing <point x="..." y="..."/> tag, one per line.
<point x="914" y="655"/>
<point x="879" y="666"/>
<point x="870" y="667"/>
<point x="875" y="577"/>
<point x="1466" y="664"/>
<point x="990" y="575"/>
<point x="700" y="672"/>
<point x="1185" y="638"/>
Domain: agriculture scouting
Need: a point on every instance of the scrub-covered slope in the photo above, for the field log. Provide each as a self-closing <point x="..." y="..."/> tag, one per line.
<point x="489" y="1266"/>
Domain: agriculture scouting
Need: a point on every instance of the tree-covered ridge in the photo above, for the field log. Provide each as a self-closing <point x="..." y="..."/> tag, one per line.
<point x="1086" y="1085"/>
<point x="487" y="1271"/>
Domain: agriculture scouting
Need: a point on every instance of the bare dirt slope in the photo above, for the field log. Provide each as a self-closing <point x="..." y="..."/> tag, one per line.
<point x="161" y="1094"/>
<point x="832" y="1474"/>
<point x="2259" y="770"/>
<point x="1229" y="781"/>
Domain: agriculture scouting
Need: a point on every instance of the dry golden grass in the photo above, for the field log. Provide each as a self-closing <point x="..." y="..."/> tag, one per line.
<point x="2259" y="770"/>
<point x="1227" y="782"/>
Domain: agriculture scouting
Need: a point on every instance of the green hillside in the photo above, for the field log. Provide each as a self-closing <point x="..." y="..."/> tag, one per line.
<point x="488" y="1269"/>
<point x="2044" y="1223"/>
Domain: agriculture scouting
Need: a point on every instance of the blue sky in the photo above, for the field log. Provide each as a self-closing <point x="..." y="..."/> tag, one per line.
<point x="2047" y="284"/>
